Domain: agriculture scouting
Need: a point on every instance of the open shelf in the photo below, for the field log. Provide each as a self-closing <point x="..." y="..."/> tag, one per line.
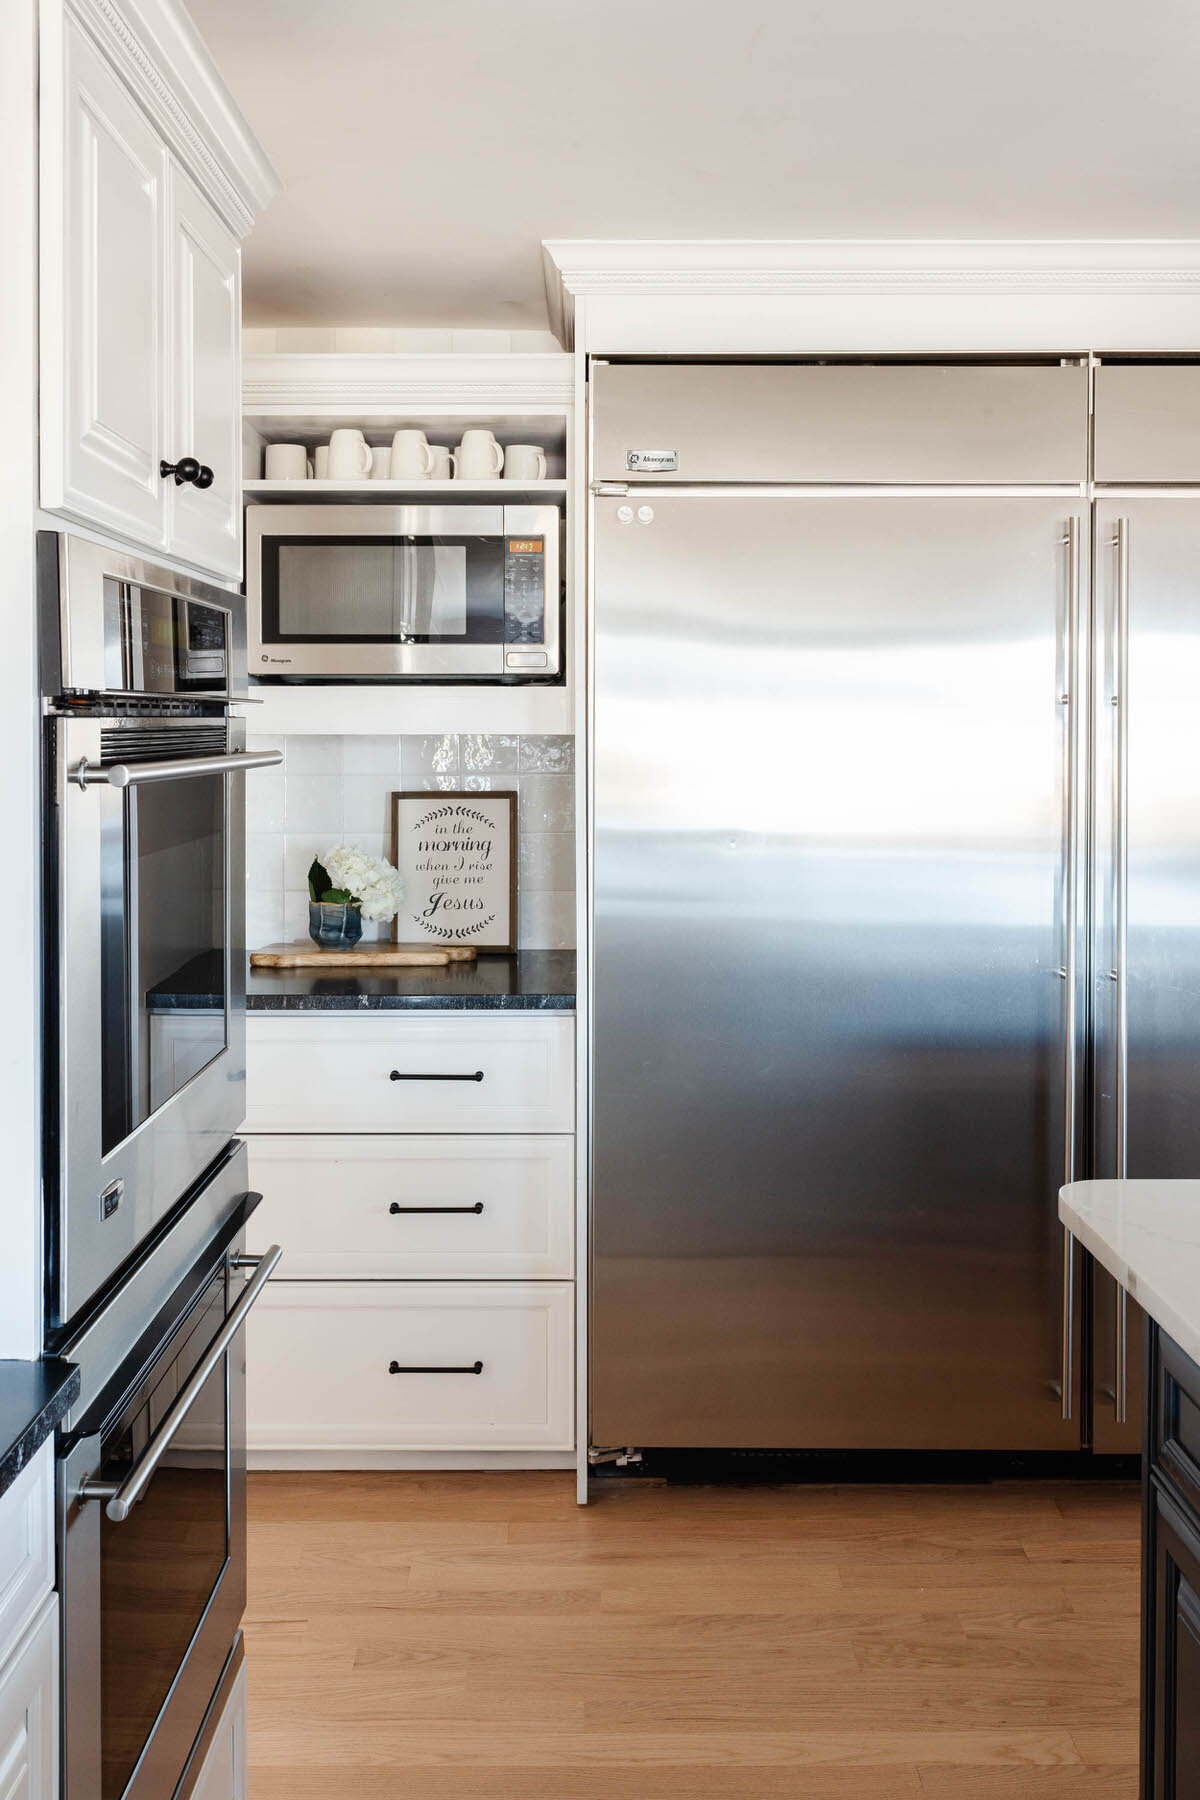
<point x="514" y="492"/>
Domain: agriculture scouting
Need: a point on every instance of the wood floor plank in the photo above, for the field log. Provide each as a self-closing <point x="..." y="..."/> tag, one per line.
<point x="457" y="1636"/>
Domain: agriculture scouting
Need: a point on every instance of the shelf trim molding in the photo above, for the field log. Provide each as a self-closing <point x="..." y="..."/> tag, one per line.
<point x="365" y="381"/>
<point x="160" y="55"/>
<point x="575" y="268"/>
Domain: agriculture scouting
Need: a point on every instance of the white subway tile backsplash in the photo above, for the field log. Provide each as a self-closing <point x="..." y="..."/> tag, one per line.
<point x="545" y="921"/>
<point x="371" y="755"/>
<point x="313" y="803"/>
<point x="546" y="860"/>
<point x="488" y="754"/>
<point x="334" y="790"/>
<point x="314" y="755"/>
<point x="367" y="803"/>
<point x="547" y="803"/>
<point x="551" y="755"/>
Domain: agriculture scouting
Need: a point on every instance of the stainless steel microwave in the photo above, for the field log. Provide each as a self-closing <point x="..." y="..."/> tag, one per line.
<point x="403" y="593"/>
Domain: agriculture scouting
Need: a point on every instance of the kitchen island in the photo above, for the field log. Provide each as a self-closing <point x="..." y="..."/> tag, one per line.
<point x="1147" y="1235"/>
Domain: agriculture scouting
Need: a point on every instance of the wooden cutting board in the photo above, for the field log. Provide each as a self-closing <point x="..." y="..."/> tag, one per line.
<point x="304" y="954"/>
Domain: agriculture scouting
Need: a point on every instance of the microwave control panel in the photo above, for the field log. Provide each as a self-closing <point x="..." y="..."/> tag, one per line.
<point x="524" y="590"/>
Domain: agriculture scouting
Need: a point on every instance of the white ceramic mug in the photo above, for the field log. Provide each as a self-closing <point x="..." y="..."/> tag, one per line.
<point x="321" y="463"/>
<point x="285" y="462"/>
<point x="349" y="455"/>
<point x="478" y="458"/>
<point x="381" y="458"/>
<point x="411" y="459"/>
<point x="440" y="459"/>
<point x="524" y="462"/>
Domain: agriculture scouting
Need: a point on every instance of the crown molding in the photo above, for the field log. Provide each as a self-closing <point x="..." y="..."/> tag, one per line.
<point x="364" y="382"/>
<point x="576" y="267"/>
<point x="161" y="57"/>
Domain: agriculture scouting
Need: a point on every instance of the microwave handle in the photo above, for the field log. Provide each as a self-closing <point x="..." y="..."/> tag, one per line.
<point x="123" y="775"/>
<point x="122" y="1497"/>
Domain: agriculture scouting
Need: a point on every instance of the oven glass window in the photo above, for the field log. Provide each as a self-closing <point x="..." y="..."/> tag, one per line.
<point x="415" y="590"/>
<point x="162" y="643"/>
<point x="164" y="980"/>
<point x="160" y="1566"/>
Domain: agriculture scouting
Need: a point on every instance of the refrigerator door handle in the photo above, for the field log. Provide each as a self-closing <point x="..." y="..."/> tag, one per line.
<point x="1121" y="819"/>
<point x="1070" y="874"/>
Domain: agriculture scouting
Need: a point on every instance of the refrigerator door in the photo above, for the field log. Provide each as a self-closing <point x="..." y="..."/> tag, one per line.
<point x="1146" y="909"/>
<point x="831" y="1065"/>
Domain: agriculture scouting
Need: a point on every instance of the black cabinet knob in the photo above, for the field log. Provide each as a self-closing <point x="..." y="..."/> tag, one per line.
<point x="187" y="469"/>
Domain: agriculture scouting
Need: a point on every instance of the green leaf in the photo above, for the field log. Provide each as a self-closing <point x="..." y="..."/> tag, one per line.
<point x="318" y="879"/>
<point x="337" y="896"/>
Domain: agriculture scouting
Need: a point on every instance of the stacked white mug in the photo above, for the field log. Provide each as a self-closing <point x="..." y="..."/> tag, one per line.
<point x="524" y="462"/>
<point x="411" y="459"/>
<point x="478" y="458"/>
<point x="349" y="455"/>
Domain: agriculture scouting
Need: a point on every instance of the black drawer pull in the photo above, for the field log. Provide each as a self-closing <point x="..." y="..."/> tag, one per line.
<point x="396" y="1207"/>
<point x="395" y="1368"/>
<point x="398" y="1075"/>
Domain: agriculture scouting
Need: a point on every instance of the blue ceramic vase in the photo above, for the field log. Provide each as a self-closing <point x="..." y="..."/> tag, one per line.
<point x="334" y="927"/>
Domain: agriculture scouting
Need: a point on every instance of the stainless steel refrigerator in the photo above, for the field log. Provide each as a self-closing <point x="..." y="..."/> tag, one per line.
<point x="848" y="883"/>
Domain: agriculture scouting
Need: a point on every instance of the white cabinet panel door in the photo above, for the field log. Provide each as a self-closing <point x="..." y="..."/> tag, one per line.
<point x="103" y="329"/>
<point x="29" y="1713"/>
<point x="411" y="1365"/>
<point x="26" y="1549"/>
<point x="204" y="524"/>
<point x="449" y="1208"/>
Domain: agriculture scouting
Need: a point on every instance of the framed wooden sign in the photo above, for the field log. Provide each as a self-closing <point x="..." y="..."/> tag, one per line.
<point x="457" y="853"/>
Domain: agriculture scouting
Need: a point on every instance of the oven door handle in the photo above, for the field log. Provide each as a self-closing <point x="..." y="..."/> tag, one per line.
<point x="123" y="775"/>
<point x="122" y="1497"/>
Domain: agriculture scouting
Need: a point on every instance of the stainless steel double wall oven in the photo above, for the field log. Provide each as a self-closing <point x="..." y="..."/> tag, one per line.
<point x="146" y="1184"/>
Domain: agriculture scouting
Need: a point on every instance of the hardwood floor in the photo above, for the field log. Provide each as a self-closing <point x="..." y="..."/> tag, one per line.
<point x="456" y="1637"/>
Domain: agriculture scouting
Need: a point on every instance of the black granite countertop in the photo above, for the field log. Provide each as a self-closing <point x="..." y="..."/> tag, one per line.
<point x="33" y="1398"/>
<point x="529" y="981"/>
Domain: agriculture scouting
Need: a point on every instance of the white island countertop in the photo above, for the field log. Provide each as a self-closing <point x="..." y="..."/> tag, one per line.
<point x="1147" y="1234"/>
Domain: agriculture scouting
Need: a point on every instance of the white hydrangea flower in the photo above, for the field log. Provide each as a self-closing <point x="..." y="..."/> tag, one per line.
<point x="377" y="888"/>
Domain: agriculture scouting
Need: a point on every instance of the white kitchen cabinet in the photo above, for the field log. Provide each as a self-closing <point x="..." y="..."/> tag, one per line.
<point x="26" y="1549"/>
<point x="103" y="223"/>
<point x="29" y="1712"/>
<point x="451" y="1208"/>
<point x="223" y="1772"/>
<point x="492" y="1072"/>
<point x="204" y="380"/>
<point x="149" y="179"/>
<point x="423" y="1365"/>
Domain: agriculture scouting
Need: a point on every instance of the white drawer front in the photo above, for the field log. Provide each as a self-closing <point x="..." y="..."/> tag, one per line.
<point x="26" y="1546"/>
<point x="319" y="1355"/>
<point x="430" y="1208"/>
<point x="335" y="1073"/>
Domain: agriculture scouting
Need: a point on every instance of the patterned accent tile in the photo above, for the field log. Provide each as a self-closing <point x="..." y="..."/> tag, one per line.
<point x="429" y="755"/>
<point x="548" y="754"/>
<point x="491" y="754"/>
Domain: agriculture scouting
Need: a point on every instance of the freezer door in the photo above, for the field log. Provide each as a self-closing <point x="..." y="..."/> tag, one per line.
<point x="1146" y="910"/>
<point x="830" y="1056"/>
<point x="849" y="422"/>
<point x="1147" y="422"/>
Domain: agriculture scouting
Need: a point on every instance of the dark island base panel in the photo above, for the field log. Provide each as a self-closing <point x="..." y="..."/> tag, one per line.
<point x="34" y="1396"/>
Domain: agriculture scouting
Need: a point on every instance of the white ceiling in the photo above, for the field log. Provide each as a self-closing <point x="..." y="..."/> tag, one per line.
<point x="426" y="149"/>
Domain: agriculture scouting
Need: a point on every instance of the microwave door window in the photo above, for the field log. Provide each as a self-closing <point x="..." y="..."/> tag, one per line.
<point x="434" y="591"/>
<point x="419" y="590"/>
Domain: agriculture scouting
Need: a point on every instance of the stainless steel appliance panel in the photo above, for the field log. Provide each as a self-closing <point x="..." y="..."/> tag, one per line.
<point x="148" y="899"/>
<point x="954" y="423"/>
<point x="832" y="912"/>
<point x="1146" y="904"/>
<point x="1147" y="425"/>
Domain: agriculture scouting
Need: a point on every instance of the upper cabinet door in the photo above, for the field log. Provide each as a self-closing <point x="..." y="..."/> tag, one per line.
<point x="104" y="173"/>
<point x="205" y="524"/>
